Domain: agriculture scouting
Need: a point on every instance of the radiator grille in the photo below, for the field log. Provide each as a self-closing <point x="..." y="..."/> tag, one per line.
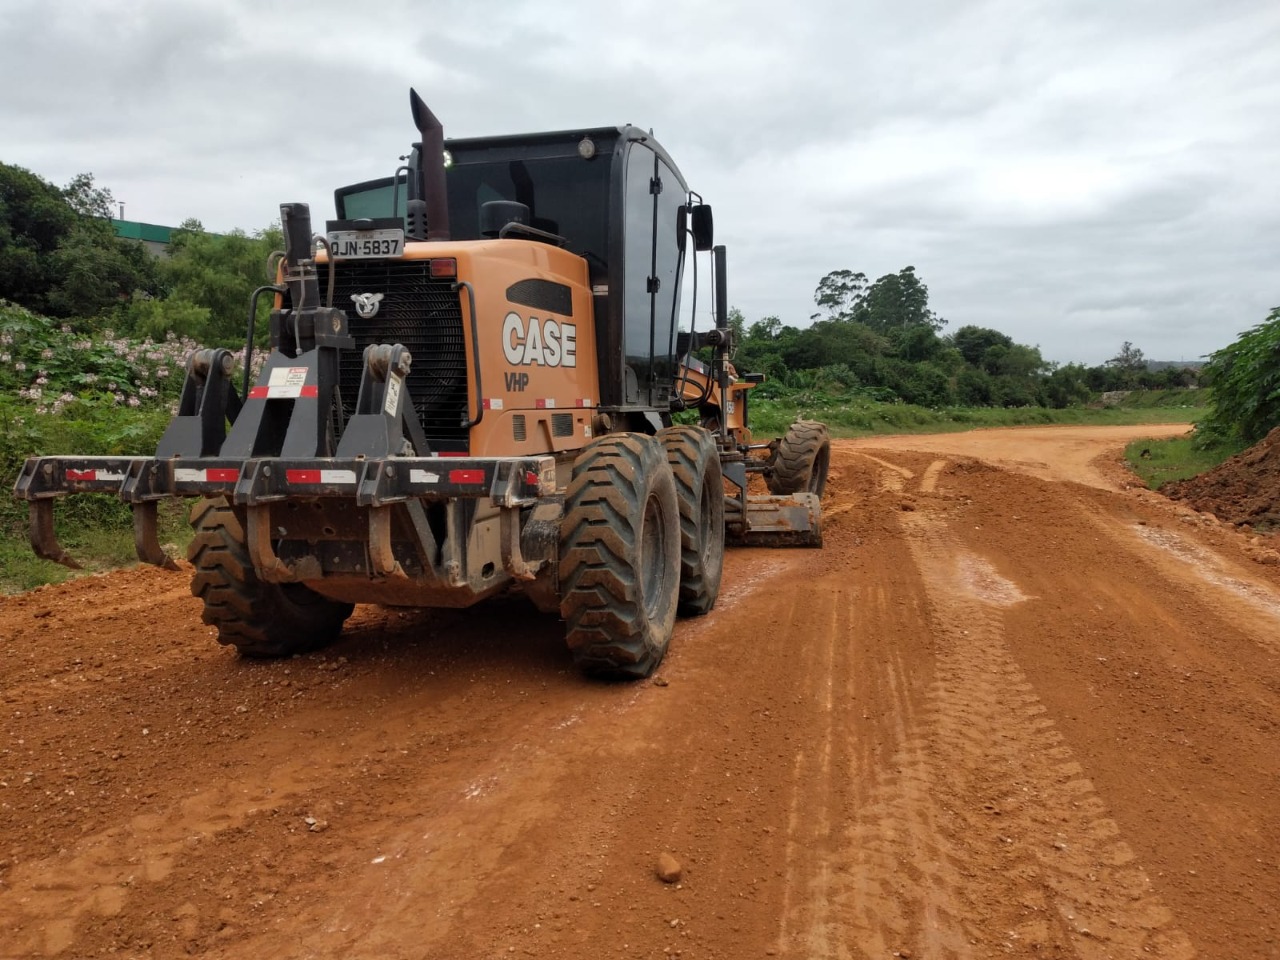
<point x="562" y="424"/>
<point x="518" y="427"/>
<point x="425" y="315"/>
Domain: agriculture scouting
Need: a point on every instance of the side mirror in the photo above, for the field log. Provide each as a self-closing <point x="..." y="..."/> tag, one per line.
<point x="703" y="227"/>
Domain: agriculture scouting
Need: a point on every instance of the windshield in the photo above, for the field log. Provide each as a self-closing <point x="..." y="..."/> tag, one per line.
<point x="567" y="196"/>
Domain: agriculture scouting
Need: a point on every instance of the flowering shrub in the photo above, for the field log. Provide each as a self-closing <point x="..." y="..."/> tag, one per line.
<point x="49" y="366"/>
<point x="63" y="391"/>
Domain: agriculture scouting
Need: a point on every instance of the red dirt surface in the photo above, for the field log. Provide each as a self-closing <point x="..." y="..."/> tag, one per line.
<point x="1016" y="707"/>
<point x="1243" y="490"/>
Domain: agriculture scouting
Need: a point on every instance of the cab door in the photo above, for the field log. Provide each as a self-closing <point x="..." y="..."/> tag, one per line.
<point x="653" y="265"/>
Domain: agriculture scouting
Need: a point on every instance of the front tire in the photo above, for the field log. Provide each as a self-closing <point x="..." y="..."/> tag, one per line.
<point x="695" y="465"/>
<point x="800" y="463"/>
<point x="259" y="619"/>
<point x="620" y="557"/>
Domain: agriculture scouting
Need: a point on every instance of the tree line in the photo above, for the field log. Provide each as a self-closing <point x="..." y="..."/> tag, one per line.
<point x="60" y="257"/>
<point x="882" y="337"/>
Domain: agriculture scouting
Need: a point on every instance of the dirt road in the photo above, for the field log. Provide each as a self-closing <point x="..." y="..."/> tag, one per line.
<point x="1014" y="708"/>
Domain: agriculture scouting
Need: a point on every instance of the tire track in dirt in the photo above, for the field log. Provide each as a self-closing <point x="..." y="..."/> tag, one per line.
<point x="988" y="713"/>
<point x="1203" y="567"/>
<point x="880" y="876"/>
<point x="982" y="732"/>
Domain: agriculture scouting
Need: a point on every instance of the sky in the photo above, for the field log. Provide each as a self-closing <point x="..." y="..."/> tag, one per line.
<point x="1073" y="173"/>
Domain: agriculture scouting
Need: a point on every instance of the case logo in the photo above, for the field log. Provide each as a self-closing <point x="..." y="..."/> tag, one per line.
<point x="367" y="304"/>
<point x="543" y="343"/>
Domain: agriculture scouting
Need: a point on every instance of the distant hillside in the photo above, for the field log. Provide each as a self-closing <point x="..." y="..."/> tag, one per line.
<point x="1154" y="365"/>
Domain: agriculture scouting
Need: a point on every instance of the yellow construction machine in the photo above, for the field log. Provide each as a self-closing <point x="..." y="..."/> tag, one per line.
<point x="470" y="390"/>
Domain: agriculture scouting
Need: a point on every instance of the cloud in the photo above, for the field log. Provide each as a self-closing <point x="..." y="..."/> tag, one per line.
<point x="1074" y="174"/>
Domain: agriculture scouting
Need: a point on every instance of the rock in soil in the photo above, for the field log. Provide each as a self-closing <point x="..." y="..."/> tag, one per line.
<point x="668" y="868"/>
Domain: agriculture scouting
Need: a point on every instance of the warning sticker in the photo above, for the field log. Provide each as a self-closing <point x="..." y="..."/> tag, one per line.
<point x="287" y="381"/>
<point x="393" y="396"/>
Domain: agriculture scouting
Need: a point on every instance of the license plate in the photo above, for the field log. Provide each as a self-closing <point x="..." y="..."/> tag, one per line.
<point x="366" y="244"/>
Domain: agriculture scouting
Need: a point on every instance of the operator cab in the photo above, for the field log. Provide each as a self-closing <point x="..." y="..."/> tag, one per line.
<point x="611" y="195"/>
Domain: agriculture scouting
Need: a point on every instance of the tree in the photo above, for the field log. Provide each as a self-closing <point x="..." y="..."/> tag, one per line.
<point x="974" y="387"/>
<point x="839" y="293"/>
<point x="1129" y="362"/>
<point x="95" y="271"/>
<point x="1021" y="361"/>
<point x="766" y="329"/>
<point x="737" y="326"/>
<point x="34" y="217"/>
<point x="211" y="275"/>
<point x="1067" y="385"/>
<point x="895" y="301"/>
<point x="58" y="251"/>
<point x="916" y="343"/>
<point x="972" y="342"/>
<point x="87" y="199"/>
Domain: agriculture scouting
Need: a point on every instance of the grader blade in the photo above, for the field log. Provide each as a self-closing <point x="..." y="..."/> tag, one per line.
<point x="780" y="521"/>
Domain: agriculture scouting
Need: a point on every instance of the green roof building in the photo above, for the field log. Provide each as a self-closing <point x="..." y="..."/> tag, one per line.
<point x="153" y="236"/>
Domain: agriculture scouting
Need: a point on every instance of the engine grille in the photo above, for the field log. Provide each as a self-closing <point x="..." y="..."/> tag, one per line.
<point x="425" y="315"/>
<point x="562" y="424"/>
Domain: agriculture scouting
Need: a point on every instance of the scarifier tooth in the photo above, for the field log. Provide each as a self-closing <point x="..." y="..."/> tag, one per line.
<point x="43" y="539"/>
<point x="146" y="538"/>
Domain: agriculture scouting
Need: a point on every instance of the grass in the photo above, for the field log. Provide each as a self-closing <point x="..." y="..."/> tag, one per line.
<point x="858" y="418"/>
<point x="1159" y="462"/>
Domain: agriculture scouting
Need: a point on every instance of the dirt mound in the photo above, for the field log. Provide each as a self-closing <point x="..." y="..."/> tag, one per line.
<point x="1244" y="489"/>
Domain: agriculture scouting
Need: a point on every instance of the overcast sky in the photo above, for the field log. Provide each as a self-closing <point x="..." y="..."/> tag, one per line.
<point x="1075" y="174"/>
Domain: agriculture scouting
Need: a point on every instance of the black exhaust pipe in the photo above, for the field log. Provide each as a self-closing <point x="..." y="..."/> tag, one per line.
<point x="300" y="270"/>
<point x="431" y="168"/>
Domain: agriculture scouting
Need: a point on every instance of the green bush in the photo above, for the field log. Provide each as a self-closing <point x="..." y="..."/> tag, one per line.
<point x="1245" y="379"/>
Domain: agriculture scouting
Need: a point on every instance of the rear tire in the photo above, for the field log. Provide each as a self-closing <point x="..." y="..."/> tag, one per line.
<point x="259" y="619"/>
<point x="801" y="461"/>
<point x="620" y="557"/>
<point x="695" y="465"/>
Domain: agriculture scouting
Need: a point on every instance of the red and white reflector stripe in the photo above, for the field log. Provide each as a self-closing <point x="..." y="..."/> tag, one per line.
<point x="94" y="475"/>
<point x="320" y="476"/>
<point x="584" y="402"/>
<point x="491" y="403"/>
<point x="545" y="403"/>
<point x="284" y="392"/>
<point x="211" y="475"/>
<point x="466" y="476"/>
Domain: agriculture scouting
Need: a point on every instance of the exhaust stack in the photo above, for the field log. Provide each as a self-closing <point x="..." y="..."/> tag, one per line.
<point x="431" y="168"/>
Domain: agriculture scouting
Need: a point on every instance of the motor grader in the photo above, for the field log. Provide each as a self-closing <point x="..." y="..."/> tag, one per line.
<point x="470" y="390"/>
